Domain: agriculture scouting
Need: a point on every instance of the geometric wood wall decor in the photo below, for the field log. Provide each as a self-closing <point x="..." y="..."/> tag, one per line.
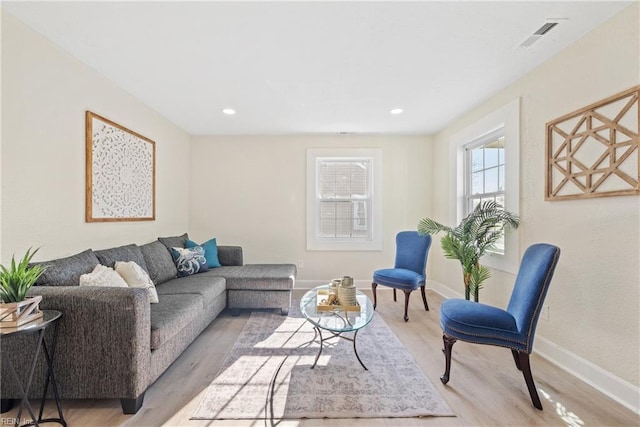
<point x="594" y="152"/>
<point x="120" y="173"/>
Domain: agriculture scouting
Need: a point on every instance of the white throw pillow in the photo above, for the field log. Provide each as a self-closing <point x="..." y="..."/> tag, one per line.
<point x="136" y="277"/>
<point x="103" y="276"/>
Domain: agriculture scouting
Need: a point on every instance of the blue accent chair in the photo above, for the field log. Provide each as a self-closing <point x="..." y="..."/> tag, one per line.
<point x="408" y="273"/>
<point x="514" y="328"/>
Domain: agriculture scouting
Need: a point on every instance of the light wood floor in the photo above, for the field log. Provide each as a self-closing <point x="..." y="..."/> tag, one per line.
<point x="485" y="387"/>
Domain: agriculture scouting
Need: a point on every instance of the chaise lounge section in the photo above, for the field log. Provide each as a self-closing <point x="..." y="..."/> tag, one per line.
<point x="113" y="343"/>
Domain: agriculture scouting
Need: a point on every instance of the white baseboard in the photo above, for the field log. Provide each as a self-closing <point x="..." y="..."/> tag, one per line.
<point x="443" y="290"/>
<point x="604" y="381"/>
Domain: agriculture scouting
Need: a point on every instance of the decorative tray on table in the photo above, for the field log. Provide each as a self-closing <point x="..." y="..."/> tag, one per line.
<point x="326" y="301"/>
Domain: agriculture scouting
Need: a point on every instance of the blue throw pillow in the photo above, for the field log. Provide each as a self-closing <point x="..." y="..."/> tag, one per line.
<point x="210" y="251"/>
<point x="189" y="260"/>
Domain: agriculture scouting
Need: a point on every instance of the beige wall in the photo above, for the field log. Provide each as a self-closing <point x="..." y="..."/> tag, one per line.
<point x="251" y="191"/>
<point x="45" y="93"/>
<point x="1" y="13"/>
<point x="594" y="298"/>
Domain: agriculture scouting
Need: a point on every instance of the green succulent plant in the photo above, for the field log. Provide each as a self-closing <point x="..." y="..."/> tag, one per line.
<point x="17" y="279"/>
<point x="477" y="233"/>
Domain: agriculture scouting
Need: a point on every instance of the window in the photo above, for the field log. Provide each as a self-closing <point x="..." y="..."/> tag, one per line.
<point x="486" y="160"/>
<point x="343" y="199"/>
<point x="484" y="171"/>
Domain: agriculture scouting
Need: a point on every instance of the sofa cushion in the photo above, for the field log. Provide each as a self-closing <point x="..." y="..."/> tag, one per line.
<point x="223" y="271"/>
<point x="174" y="241"/>
<point x="126" y="253"/>
<point x="103" y="276"/>
<point x="210" y="251"/>
<point x="172" y="314"/>
<point x="67" y="271"/>
<point x="273" y="277"/>
<point x="209" y="288"/>
<point x="160" y="265"/>
<point x="189" y="260"/>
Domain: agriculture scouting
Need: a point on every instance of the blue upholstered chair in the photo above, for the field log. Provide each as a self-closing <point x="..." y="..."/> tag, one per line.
<point x="514" y="328"/>
<point x="408" y="274"/>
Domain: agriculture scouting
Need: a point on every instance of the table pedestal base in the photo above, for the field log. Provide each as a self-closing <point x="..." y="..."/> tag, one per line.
<point x="318" y="332"/>
<point x="50" y="316"/>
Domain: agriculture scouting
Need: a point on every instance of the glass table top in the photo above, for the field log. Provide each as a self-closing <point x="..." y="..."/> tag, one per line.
<point x="337" y="320"/>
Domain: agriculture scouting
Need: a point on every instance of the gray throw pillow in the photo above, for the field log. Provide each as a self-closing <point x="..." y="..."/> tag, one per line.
<point x="160" y="265"/>
<point x="174" y="241"/>
<point x="126" y="253"/>
<point x="67" y="271"/>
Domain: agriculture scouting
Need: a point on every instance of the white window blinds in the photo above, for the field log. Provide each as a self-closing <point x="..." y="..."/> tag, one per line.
<point x="344" y="198"/>
<point x="344" y="205"/>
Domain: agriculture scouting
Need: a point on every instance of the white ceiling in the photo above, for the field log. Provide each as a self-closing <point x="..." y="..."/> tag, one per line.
<point x="311" y="67"/>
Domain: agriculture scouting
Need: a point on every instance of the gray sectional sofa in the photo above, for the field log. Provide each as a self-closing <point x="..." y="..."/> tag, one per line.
<point x="113" y="343"/>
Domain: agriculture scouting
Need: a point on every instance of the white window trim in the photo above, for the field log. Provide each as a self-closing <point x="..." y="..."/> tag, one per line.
<point x="482" y="140"/>
<point x="316" y="244"/>
<point x="508" y="117"/>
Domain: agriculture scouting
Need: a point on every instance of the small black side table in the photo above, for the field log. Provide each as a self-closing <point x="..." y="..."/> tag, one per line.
<point x="39" y="326"/>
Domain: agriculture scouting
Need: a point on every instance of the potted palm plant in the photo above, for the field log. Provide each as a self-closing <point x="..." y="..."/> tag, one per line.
<point x="477" y="233"/>
<point x="15" y="282"/>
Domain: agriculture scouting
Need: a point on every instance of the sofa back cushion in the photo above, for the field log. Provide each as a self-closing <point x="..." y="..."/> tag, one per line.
<point x="127" y="253"/>
<point x="159" y="263"/>
<point x="67" y="271"/>
<point x="174" y="241"/>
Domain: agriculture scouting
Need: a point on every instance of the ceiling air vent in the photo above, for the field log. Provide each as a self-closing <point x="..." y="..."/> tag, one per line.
<point x="544" y="29"/>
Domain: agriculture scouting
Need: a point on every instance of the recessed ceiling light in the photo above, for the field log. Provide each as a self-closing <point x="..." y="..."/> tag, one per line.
<point x="229" y="111"/>
<point x="396" y="111"/>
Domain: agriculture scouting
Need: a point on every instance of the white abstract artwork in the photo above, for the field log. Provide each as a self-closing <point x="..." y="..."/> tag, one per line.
<point x="120" y="173"/>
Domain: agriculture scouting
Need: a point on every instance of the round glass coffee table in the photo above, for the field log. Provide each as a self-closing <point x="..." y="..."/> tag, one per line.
<point x="336" y="321"/>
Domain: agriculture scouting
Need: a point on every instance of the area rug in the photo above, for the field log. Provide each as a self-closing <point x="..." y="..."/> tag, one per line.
<point x="267" y="375"/>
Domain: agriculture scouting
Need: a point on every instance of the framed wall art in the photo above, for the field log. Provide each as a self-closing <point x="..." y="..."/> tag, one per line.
<point x="594" y="152"/>
<point x="120" y="172"/>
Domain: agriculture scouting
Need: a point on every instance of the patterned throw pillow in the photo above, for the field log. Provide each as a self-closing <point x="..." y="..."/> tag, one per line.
<point x="189" y="260"/>
<point x="103" y="276"/>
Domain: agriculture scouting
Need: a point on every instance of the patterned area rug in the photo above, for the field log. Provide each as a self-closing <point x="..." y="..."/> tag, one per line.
<point x="267" y="375"/>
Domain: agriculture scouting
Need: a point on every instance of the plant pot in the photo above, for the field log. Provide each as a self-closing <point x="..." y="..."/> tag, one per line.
<point x="14" y="314"/>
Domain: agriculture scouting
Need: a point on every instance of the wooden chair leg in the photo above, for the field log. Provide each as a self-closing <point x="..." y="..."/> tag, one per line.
<point x="528" y="378"/>
<point x="375" y="298"/>
<point x="516" y="358"/>
<point x="394" y="295"/>
<point x="406" y="305"/>
<point x="424" y="298"/>
<point x="448" y="345"/>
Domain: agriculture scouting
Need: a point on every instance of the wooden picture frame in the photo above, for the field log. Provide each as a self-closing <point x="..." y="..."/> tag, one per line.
<point x="595" y="151"/>
<point x="120" y="172"/>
